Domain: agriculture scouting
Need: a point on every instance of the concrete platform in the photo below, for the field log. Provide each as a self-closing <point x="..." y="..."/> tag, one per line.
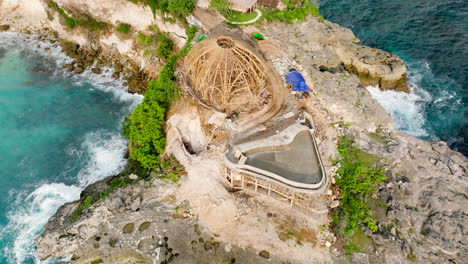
<point x="289" y="157"/>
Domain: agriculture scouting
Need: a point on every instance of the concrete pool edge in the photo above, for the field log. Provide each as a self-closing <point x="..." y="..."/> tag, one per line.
<point x="241" y="167"/>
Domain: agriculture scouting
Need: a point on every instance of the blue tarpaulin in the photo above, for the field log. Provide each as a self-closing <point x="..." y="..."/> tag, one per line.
<point x="297" y="82"/>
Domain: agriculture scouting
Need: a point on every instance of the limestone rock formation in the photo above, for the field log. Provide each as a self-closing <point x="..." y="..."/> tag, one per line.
<point x="329" y="47"/>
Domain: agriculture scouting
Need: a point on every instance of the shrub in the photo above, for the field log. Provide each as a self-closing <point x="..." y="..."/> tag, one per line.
<point x="166" y="46"/>
<point x="123" y="28"/>
<point x="153" y="4"/>
<point x="144" y="127"/>
<point x="359" y="177"/>
<point x="181" y="7"/>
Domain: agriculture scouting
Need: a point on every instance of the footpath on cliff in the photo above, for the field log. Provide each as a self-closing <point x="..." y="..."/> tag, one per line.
<point x="421" y="217"/>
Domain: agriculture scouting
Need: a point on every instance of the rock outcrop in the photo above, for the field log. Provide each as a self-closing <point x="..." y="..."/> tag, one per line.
<point x="424" y="219"/>
<point x="140" y="223"/>
<point x="329" y="47"/>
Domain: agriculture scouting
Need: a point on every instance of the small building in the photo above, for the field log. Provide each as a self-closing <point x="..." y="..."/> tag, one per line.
<point x="245" y="6"/>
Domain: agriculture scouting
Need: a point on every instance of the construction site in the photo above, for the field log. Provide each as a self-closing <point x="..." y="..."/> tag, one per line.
<point x="270" y="148"/>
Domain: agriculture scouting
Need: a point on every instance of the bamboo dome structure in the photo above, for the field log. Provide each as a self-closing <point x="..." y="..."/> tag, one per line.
<point x="226" y="74"/>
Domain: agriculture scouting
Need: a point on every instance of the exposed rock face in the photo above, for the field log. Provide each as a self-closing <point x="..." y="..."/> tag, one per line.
<point x="425" y="217"/>
<point x="111" y="232"/>
<point x="34" y="16"/>
<point x="329" y="47"/>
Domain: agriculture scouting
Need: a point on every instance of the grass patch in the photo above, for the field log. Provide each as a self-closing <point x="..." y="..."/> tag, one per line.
<point x="173" y="177"/>
<point x="236" y="16"/>
<point x="176" y="8"/>
<point x="123" y="28"/>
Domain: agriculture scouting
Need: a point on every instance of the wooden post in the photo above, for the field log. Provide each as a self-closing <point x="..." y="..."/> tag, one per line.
<point x="269" y="189"/>
<point x="256" y="182"/>
<point x="292" y="198"/>
<point x="242" y="181"/>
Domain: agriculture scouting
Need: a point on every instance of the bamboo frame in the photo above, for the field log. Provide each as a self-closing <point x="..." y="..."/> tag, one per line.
<point x="226" y="74"/>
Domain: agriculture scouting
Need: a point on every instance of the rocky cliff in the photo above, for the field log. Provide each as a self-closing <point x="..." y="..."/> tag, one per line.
<point x="424" y="219"/>
<point x="333" y="48"/>
<point x="198" y="220"/>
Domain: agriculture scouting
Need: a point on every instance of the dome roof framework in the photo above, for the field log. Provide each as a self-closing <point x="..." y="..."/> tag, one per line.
<point x="226" y="74"/>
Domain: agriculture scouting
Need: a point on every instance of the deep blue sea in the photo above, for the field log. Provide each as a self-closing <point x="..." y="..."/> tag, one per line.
<point x="58" y="133"/>
<point x="431" y="36"/>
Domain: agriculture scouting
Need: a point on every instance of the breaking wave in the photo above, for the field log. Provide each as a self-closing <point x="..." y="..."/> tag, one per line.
<point x="100" y="154"/>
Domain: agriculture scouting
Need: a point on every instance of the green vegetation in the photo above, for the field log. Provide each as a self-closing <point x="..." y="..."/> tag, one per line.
<point x="144" y="127"/>
<point x="222" y="6"/>
<point x="81" y="206"/>
<point x="341" y="124"/>
<point x="411" y="256"/>
<point x="71" y="23"/>
<point x="236" y="16"/>
<point x="358" y="242"/>
<point x="86" y="22"/>
<point x="145" y="40"/>
<point x="166" y="46"/>
<point x="359" y="177"/>
<point x="113" y="184"/>
<point x="123" y="28"/>
<point x="181" y="7"/>
<point x="92" y="24"/>
<point x="295" y="10"/>
<point x="351" y="248"/>
<point x="379" y="138"/>
<point x="173" y="177"/>
<point x="177" y="8"/>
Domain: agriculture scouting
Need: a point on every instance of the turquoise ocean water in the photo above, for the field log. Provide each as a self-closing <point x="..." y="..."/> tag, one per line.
<point x="432" y="38"/>
<point x="58" y="133"/>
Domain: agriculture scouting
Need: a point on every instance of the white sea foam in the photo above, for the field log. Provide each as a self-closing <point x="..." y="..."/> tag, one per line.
<point x="103" y="151"/>
<point x="30" y="215"/>
<point x="407" y="109"/>
<point x="29" y="45"/>
<point x="106" y="156"/>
